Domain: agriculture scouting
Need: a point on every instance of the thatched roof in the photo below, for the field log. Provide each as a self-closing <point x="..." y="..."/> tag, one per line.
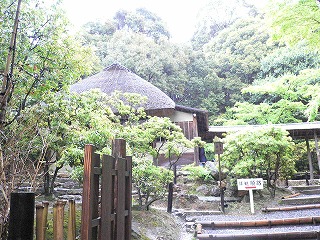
<point x="119" y="78"/>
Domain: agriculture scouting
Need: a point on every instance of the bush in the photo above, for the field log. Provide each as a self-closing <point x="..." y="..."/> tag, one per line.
<point x="150" y="181"/>
<point x="198" y="173"/>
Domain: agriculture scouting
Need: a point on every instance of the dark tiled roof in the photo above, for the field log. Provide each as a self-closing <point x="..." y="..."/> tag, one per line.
<point x="305" y="130"/>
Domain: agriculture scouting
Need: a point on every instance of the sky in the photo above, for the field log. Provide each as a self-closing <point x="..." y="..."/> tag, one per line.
<point x="179" y="15"/>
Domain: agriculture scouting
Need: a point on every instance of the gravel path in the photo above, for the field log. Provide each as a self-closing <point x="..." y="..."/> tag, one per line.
<point x="259" y="216"/>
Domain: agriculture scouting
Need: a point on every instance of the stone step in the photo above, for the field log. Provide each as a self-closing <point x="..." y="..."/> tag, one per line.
<point x="200" y="212"/>
<point x="67" y="191"/>
<point x="301" y="188"/>
<point x="301" y="200"/>
<point x="218" y="199"/>
<point x="311" y="192"/>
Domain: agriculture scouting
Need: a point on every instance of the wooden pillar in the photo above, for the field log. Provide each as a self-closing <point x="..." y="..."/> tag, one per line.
<point x="195" y="134"/>
<point x="309" y="159"/>
<point x="119" y="153"/>
<point x="317" y="148"/>
<point x="90" y="196"/>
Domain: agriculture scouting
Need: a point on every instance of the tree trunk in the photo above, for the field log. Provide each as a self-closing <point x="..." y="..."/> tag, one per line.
<point x="7" y="85"/>
<point x="309" y="159"/>
<point x="54" y="177"/>
<point x="46" y="182"/>
<point x="6" y="92"/>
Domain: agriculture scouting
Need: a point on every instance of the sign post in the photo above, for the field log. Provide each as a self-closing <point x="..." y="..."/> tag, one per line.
<point x="218" y="149"/>
<point x="250" y="184"/>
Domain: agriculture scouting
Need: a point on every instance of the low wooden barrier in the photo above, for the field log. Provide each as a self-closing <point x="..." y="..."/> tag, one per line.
<point x="58" y="220"/>
<point x="264" y="236"/>
<point x="261" y="223"/>
<point x="291" y="208"/>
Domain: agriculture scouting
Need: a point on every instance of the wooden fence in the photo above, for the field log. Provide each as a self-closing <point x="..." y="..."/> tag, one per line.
<point x="109" y="177"/>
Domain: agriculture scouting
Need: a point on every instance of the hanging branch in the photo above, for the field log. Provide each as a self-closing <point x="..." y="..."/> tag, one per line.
<point x="7" y="86"/>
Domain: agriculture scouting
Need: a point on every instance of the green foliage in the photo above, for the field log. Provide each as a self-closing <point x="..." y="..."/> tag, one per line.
<point x="197" y="71"/>
<point x="256" y="152"/>
<point x="213" y="19"/>
<point x="287" y="99"/>
<point x="47" y="59"/>
<point x="209" y="150"/>
<point x="289" y="60"/>
<point x="171" y="141"/>
<point x="77" y="173"/>
<point x="198" y="173"/>
<point x="150" y="181"/>
<point x="142" y="21"/>
<point x="245" y="113"/>
<point x="139" y="41"/>
<point x="162" y="63"/>
<point x="285" y="16"/>
<point x="235" y="53"/>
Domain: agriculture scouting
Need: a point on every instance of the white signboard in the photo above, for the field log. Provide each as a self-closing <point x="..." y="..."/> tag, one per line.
<point x="250" y="183"/>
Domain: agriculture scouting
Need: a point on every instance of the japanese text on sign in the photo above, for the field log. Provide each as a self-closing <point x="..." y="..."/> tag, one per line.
<point x="250" y="183"/>
<point x="218" y="147"/>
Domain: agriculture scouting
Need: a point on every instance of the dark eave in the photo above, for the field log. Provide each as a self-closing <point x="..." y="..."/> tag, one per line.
<point x="305" y="130"/>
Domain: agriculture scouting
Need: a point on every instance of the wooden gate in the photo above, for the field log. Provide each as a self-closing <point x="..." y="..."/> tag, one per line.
<point x="107" y="177"/>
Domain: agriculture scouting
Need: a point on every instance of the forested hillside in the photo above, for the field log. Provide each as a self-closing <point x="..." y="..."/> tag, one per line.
<point x="245" y="65"/>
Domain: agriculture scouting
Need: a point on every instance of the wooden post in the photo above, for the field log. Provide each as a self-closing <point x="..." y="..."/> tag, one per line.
<point x="21" y="216"/>
<point x="128" y="204"/>
<point x="58" y="220"/>
<point x="119" y="152"/>
<point x="170" y="197"/>
<point x="72" y="220"/>
<point x="309" y="159"/>
<point x="107" y="197"/>
<point x="218" y="149"/>
<point x="220" y="185"/>
<point x="39" y="222"/>
<point x="45" y="217"/>
<point x="119" y="148"/>
<point x="317" y="148"/>
<point x="90" y="195"/>
<point x="195" y="134"/>
<point x="175" y="173"/>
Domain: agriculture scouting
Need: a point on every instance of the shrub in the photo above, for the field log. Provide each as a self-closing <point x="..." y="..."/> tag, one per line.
<point x="198" y="173"/>
<point x="150" y="181"/>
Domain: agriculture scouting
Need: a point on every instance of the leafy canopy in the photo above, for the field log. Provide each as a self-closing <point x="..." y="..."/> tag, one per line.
<point x="255" y="152"/>
<point x="293" y="21"/>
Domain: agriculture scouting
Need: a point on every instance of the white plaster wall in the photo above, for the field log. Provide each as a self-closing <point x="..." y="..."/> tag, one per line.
<point x="181" y="117"/>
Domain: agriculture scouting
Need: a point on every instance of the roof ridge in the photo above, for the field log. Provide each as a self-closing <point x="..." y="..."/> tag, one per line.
<point x="117" y="66"/>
